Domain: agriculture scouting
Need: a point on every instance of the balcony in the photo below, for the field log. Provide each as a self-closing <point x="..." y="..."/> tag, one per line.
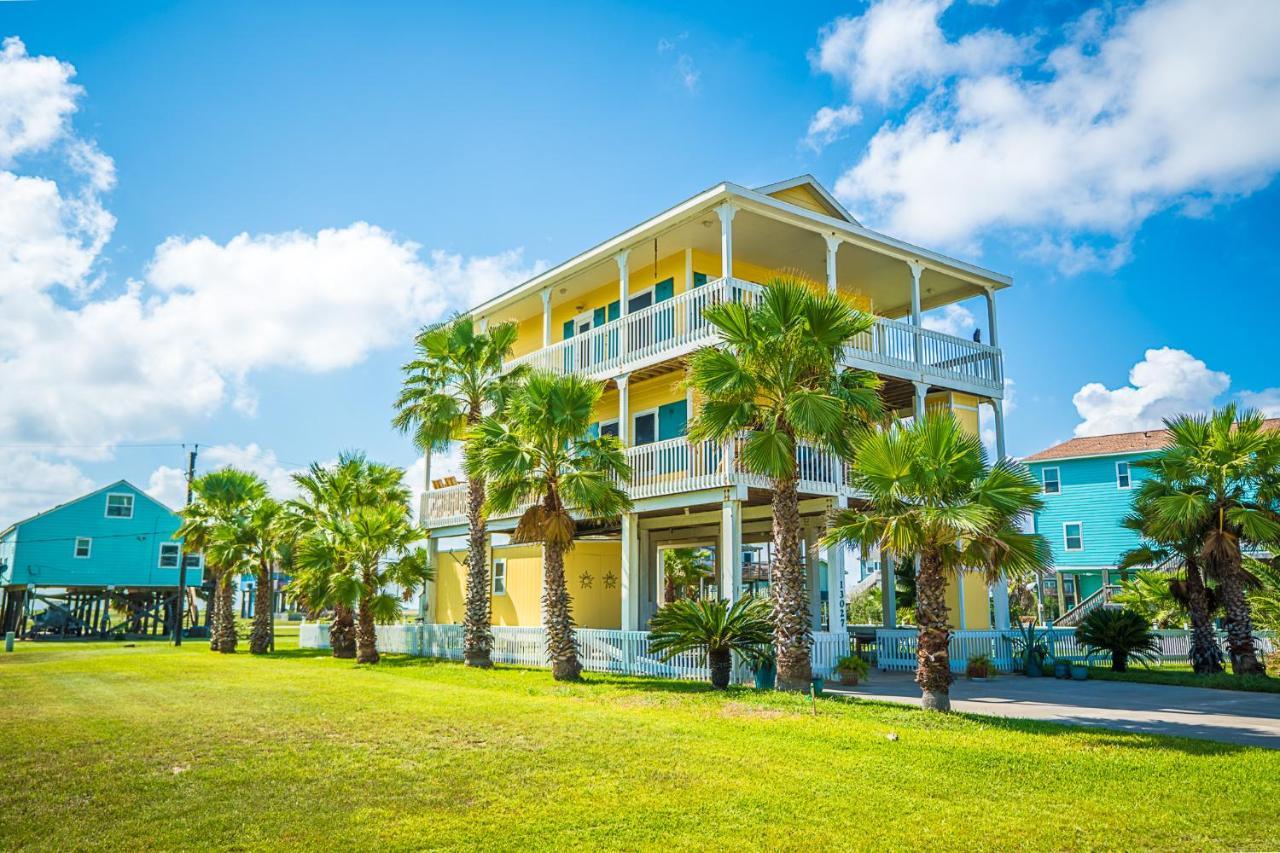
<point x="670" y="467"/>
<point x="676" y="327"/>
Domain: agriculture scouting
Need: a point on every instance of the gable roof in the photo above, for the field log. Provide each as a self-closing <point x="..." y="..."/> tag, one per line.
<point x="83" y="497"/>
<point x="823" y="201"/>
<point x="1146" y="441"/>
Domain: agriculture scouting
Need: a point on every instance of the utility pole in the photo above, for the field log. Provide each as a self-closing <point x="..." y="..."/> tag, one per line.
<point x="182" y="556"/>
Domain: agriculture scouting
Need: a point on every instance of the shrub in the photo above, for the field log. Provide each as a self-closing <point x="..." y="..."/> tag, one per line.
<point x="852" y="669"/>
<point x="720" y="628"/>
<point x="1122" y="633"/>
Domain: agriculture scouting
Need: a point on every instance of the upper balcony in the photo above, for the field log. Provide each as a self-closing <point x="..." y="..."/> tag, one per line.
<point x="675" y="327"/>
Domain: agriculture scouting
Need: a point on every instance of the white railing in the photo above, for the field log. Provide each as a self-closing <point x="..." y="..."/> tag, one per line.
<point x="649" y="334"/>
<point x="1099" y="598"/>
<point x="599" y="649"/>
<point x="896" y="647"/>
<point x="445" y="506"/>
<point x="905" y="347"/>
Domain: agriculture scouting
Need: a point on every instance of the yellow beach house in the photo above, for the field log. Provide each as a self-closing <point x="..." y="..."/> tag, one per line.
<point x="629" y="312"/>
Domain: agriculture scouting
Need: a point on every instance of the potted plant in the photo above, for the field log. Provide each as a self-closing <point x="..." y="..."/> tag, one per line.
<point x="978" y="668"/>
<point x="1061" y="668"/>
<point x="851" y="669"/>
<point x="1032" y="648"/>
<point x="1079" y="670"/>
<point x="819" y="684"/>
<point x="764" y="667"/>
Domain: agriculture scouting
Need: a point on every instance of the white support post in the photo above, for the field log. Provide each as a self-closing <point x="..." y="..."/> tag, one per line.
<point x="922" y="390"/>
<point x="427" y="603"/>
<point x="813" y="579"/>
<point x="624" y="296"/>
<point x="964" y="618"/>
<point x="992" y="334"/>
<point x="726" y="212"/>
<point x="836" y="610"/>
<point x="833" y="246"/>
<point x="731" y="550"/>
<point x="630" y="573"/>
<point x="483" y="325"/>
<point x="688" y="269"/>
<point x="888" y="591"/>
<point x="624" y="408"/>
<point x="546" y="316"/>
<point x="1000" y="600"/>
<point x="917" y="269"/>
<point x="997" y="407"/>
<point x="645" y="593"/>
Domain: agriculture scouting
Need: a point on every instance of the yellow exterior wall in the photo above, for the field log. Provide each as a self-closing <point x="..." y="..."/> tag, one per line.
<point x="594" y="606"/>
<point x="803" y="196"/>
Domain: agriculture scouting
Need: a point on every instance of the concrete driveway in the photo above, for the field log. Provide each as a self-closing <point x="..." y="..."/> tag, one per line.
<point x="1229" y="716"/>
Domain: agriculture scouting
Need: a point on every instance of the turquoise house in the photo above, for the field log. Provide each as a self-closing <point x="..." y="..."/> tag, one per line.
<point x="110" y="550"/>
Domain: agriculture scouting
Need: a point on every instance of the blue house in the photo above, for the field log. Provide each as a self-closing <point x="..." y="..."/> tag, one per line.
<point x="101" y="563"/>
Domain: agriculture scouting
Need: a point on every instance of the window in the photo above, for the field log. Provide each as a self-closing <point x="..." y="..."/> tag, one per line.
<point x="646" y="431"/>
<point x="609" y="428"/>
<point x="1122" y="475"/>
<point x="1073" y="536"/>
<point x="170" y="554"/>
<point x="499" y="577"/>
<point x="640" y="300"/>
<point x="83" y="546"/>
<point x="1052" y="483"/>
<point x="193" y="561"/>
<point x="119" y="506"/>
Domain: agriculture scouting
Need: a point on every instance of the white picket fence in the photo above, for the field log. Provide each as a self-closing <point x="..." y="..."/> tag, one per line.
<point x="600" y="650"/>
<point x="896" y="647"/>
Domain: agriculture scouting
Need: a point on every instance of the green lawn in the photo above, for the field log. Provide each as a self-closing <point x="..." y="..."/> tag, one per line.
<point x="1182" y="676"/>
<point x="149" y="746"/>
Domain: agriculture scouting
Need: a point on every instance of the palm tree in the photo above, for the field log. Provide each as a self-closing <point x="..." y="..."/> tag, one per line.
<point x="1124" y="634"/>
<point x="1150" y="594"/>
<point x="778" y="383"/>
<point x="715" y="626"/>
<point x="1221" y="475"/>
<point x="931" y="494"/>
<point x="253" y="542"/>
<point x="455" y="376"/>
<point x="684" y="570"/>
<point x="539" y="453"/>
<point x="328" y="496"/>
<point x="220" y="499"/>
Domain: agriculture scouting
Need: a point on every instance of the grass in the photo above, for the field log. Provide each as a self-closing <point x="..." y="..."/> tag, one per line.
<point x="183" y="748"/>
<point x="1181" y="675"/>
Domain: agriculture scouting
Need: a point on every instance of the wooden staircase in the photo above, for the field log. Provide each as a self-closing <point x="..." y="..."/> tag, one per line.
<point x="1101" y="598"/>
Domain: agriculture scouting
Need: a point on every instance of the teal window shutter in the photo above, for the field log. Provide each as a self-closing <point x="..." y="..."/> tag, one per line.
<point x="664" y="290"/>
<point x="568" y="329"/>
<point x="594" y="430"/>
<point x="597" y="318"/>
<point x="699" y="279"/>
<point x="615" y="310"/>
<point x="672" y="420"/>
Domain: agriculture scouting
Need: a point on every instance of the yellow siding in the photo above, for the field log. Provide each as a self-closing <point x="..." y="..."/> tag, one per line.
<point x="804" y="196"/>
<point x="644" y="396"/>
<point x="594" y="606"/>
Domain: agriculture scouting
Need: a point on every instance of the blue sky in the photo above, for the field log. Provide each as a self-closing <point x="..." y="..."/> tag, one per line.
<point x="235" y="149"/>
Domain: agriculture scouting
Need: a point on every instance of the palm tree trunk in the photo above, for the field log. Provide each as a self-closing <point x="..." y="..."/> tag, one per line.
<point x="1119" y="662"/>
<point x="225" y="615"/>
<point x="933" y="663"/>
<point x="1244" y="658"/>
<point x="214" y="604"/>
<point x="260" y="636"/>
<point x="366" y="631"/>
<point x="557" y="617"/>
<point x="720" y="661"/>
<point x="342" y="632"/>
<point x="792" y="630"/>
<point x="1206" y="657"/>
<point x="477" y="639"/>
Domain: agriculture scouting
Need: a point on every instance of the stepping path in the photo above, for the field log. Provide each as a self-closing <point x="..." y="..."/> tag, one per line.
<point x="1229" y="716"/>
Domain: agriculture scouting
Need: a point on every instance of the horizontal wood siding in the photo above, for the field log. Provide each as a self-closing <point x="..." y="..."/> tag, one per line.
<point x="1089" y="495"/>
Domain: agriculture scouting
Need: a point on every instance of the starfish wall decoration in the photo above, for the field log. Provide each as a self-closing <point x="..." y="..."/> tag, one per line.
<point x="610" y="580"/>
<point x="584" y="580"/>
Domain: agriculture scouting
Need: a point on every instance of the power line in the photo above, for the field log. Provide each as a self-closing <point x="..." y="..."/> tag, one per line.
<point x="55" y="446"/>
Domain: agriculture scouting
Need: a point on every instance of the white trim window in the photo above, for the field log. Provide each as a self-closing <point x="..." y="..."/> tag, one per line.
<point x="1073" y="536"/>
<point x="1123" y="479"/>
<point x="193" y="561"/>
<point x="119" y="505"/>
<point x="499" y="577"/>
<point x="170" y="555"/>
<point x="84" y="547"/>
<point x="644" y="427"/>
<point x="1052" y="483"/>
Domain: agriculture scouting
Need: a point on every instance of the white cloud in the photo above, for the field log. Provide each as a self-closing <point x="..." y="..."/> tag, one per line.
<point x="954" y="320"/>
<point x="169" y="485"/>
<point x="1166" y="382"/>
<point x="828" y="124"/>
<point x="1174" y="104"/>
<point x="1266" y="401"/>
<point x="30" y="484"/>
<point x="37" y="98"/>
<point x="897" y="45"/>
<point x="686" y="70"/>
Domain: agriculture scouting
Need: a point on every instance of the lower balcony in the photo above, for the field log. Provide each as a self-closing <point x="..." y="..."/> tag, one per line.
<point x="670" y="467"/>
<point x="675" y="327"/>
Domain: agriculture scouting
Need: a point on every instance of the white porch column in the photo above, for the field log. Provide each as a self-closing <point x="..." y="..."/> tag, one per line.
<point x="427" y="602"/>
<point x="813" y="577"/>
<point x="426" y="486"/>
<point x="630" y="586"/>
<point x="483" y="325"/>
<point x="731" y="550"/>
<point x="917" y="269"/>
<point x="888" y="591"/>
<point x="624" y="408"/>
<point x="963" y="622"/>
<point x="726" y="212"/>
<point x="836" y="611"/>
<point x="991" y="318"/>
<point x="997" y="407"/>
<point x="624" y="295"/>
<point x="833" y="246"/>
<point x="922" y="389"/>
<point x="1000" y="600"/>
<point x="546" y="316"/>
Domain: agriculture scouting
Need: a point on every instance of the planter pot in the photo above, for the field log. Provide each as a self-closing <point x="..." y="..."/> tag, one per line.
<point x="1079" y="672"/>
<point x="1061" y="669"/>
<point x="766" y="675"/>
<point x="1031" y="669"/>
<point x="849" y="679"/>
<point x="818" y="684"/>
